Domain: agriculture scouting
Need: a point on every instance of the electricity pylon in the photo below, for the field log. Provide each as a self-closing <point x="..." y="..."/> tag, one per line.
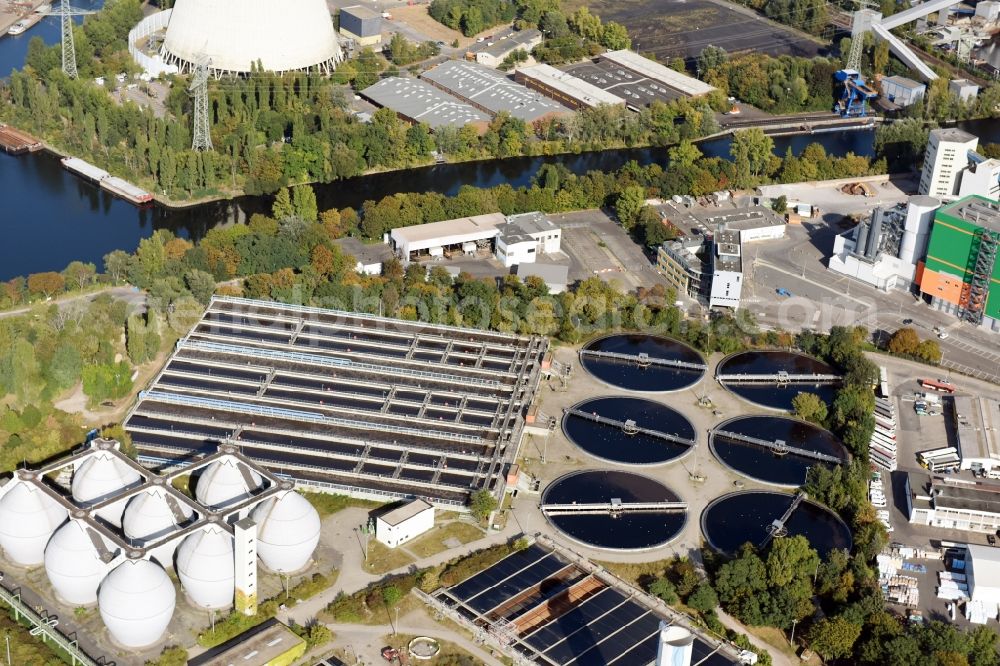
<point x="199" y="89"/>
<point x="66" y="12"/>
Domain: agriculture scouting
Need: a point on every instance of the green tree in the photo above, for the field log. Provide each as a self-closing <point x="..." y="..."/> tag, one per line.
<point x="703" y="599"/>
<point x="391" y="595"/>
<point x="904" y="341"/>
<point x="629" y="204"/>
<point x="710" y="58"/>
<point x="282" y="209"/>
<point x="751" y="151"/>
<point x="304" y="203"/>
<point x="780" y="205"/>
<point x="664" y="589"/>
<point x="482" y="503"/>
<point x="834" y="638"/>
<point x="200" y="284"/>
<point x="809" y="407"/>
<point x="684" y="155"/>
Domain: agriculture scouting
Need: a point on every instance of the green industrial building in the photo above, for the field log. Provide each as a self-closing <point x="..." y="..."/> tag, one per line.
<point x="961" y="274"/>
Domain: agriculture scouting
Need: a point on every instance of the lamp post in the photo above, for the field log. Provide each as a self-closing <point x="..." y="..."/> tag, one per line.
<point x="792" y="641"/>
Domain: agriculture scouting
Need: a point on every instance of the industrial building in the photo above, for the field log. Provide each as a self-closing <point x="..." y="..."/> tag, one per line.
<point x="638" y="80"/>
<point x="105" y="527"/>
<point x="727" y="269"/>
<point x="493" y="53"/>
<point x="572" y="91"/>
<point x="952" y="504"/>
<point x="964" y="89"/>
<point x="491" y="91"/>
<point x="419" y="102"/>
<point x="361" y="24"/>
<point x="270" y="643"/>
<point x="885" y="250"/>
<point x="945" y="160"/>
<point x="368" y="258"/>
<point x="982" y="571"/>
<point x="551" y="609"/>
<point x="515" y="239"/>
<point x="901" y="91"/>
<point x="681" y="262"/>
<point x="233" y="36"/>
<point x="521" y="238"/>
<point x="961" y="274"/>
<point x="404" y="523"/>
<point x="352" y="403"/>
<point x="976" y="430"/>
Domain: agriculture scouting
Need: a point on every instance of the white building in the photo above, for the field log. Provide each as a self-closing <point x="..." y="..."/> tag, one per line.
<point x="945" y="160"/>
<point x="976" y="423"/>
<point x="965" y="89"/>
<point x="952" y="504"/>
<point x="555" y="276"/>
<point x="884" y="250"/>
<point x="494" y="53"/>
<point x="727" y="269"/>
<point x="523" y="237"/>
<point x="982" y="567"/>
<point x="432" y="239"/>
<point x="404" y="523"/>
<point x="981" y="177"/>
<point x="368" y="259"/>
<point x="988" y="10"/>
<point x="902" y="91"/>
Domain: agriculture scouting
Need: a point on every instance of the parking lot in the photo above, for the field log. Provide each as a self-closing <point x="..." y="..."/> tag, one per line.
<point x="596" y="245"/>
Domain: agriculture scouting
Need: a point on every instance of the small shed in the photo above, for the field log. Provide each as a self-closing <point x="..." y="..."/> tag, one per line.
<point x="404" y="523"/>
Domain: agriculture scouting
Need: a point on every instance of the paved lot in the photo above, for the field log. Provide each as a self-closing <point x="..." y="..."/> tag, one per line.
<point x="596" y="245"/>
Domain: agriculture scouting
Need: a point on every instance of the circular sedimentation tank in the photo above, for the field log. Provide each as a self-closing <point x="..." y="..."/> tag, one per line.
<point x="634" y="361"/>
<point x="746" y="516"/>
<point x="772" y="362"/>
<point x="612" y="529"/>
<point x="602" y="428"/>
<point x="771" y="465"/>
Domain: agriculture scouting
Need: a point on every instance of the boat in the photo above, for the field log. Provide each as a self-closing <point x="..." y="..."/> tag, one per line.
<point x="17" y="28"/>
<point x="117" y="186"/>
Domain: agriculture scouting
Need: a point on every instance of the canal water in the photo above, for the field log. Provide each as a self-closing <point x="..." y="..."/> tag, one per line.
<point x="772" y="362"/>
<point x="763" y="465"/>
<point x="742" y="517"/>
<point x="628" y="531"/>
<point x="613" y="444"/>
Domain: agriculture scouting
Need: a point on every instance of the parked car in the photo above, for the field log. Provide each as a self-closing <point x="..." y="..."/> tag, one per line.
<point x="781" y="291"/>
<point x="907" y="321"/>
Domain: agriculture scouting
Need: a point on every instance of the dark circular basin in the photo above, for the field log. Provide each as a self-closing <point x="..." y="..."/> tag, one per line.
<point x="618" y="443"/>
<point x="635" y="375"/>
<point x="767" y="465"/>
<point x="613" y="530"/>
<point x="772" y="362"/>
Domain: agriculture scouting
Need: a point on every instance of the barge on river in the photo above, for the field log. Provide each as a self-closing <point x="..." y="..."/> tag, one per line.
<point x="113" y="184"/>
<point x="16" y="142"/>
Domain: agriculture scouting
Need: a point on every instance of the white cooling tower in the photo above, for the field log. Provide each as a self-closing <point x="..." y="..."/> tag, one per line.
<point x="73" y="563"/>
<point x="226" y="482"/>
<point x="101" y="476"/>
<point x="287" y="532"/>
<point x="136" y="602"/>
<point x="28" y="517"/>
<point x="206" y="568"/>
<point x="237" y="34"/>
<point x="149" y="516"/>
<point x="919" y="214"/>
<point x="675" y="646"/>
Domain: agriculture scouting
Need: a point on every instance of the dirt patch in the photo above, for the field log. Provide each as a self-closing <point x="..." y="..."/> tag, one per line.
<point x="671" y="28"/>
<point x="418" y="19"/>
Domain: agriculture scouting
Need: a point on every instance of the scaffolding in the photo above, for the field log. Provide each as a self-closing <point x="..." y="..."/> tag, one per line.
<point x="978" y="291"/>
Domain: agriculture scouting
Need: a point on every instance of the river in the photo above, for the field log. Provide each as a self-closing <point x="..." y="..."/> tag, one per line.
<point x="50" y="217"/>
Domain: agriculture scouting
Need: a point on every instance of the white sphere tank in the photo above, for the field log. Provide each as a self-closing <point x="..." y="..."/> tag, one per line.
<point x="148" y="516"/>
<point x="287" y="532"/>
<point x="28" y="517"/>
<point x="206" y="568"/>
<point x="73" y="564"/>
<point x="222" y="484"/>
<point x="100" y="476"/>
<point x="136" y="601"/>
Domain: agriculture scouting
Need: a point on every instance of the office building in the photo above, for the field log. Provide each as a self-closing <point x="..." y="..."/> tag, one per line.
<point x="945" y="160"/>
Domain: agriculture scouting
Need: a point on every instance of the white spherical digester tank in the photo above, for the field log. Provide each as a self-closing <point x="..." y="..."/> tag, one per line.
<point x="287" y="532"/>
<point x="28" y="517"/>
<point x="222" y="483"/>
<point x="149" y="516"/>
<point x="206" y="568"/>
<point x="100" y="476"/>
<point x="73" y="564"/>
<point x="136" y="601"/>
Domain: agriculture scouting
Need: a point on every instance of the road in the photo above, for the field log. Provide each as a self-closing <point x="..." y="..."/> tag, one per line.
<point x="129" y="294"/>
<point x="821" y="299"/>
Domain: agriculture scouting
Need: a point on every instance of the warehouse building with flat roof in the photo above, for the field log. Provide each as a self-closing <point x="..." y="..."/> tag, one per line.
<point x="493" y="53"/>
<point x="344" y="402"/>
<point x="419" y="102"/>
<point x="564" y="87"/>
<point x="637" y="80"/>
<point x="953" y="503"/>
<point x="654" y="71"/>
<point x="361" y="24"/>
<point x="491" y="91"/>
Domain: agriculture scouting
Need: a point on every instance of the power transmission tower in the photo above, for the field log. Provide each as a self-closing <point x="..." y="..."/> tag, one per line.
<point x="66" y="12"/>
<point x="199" y="89"/>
